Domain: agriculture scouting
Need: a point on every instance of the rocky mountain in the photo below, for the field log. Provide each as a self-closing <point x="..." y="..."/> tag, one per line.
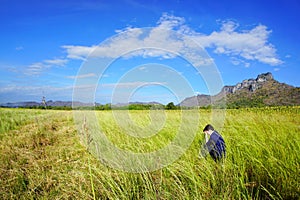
<point x="262" y="91"/>
<point x="250" y="84"/>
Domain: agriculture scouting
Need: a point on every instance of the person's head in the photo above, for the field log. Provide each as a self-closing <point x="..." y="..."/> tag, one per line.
<point x="208" y="129"/>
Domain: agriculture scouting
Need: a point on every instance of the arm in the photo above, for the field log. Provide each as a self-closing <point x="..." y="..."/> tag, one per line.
<point x="206" y="138"/>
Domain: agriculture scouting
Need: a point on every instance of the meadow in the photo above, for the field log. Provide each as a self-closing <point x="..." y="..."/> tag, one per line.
<point x="43" y="156"/>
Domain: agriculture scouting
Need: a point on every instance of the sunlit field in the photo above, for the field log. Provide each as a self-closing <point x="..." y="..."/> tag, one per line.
<point x="43" y="156"/>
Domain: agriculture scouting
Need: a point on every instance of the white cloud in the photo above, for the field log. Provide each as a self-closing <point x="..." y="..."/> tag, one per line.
<point x="78" y="52"/>
<point x="135" y="84"/>
<point x="82" y="76"/>
<point x="237" y="61"/>
<point x="247" y="44"/>
<point x="247" y="64"/>
<point x="50" y="90"/>
<point x="250" y="45"/>
<point x="57" y="62"/>
<point x="36" y="69"/>
<point x="33" y="90"/>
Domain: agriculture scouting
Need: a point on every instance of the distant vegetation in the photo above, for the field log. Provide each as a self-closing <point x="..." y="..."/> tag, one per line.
<point x="240" y="103"/>
<point x="136" y="106"/>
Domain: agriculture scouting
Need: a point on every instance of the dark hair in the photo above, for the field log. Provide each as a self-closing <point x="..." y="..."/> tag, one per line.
<point x="208" y="127"/>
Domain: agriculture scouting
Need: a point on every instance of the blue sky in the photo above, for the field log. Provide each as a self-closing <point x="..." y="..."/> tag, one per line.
<point x="47" y="47"/>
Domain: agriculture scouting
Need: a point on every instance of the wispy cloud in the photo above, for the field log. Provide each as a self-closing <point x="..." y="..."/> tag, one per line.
<point x="36" y="91"/>
<point x="56" y="62"/>
<point x="249" y="45"/>
<point x="50" y="90"/>
<point x="135" y="84"/>
<point x="36" y="69"/>
<point x="82" y="76"/>
<point x="237" y="61"/>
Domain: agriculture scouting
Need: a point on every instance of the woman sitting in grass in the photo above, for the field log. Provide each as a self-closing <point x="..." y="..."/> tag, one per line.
<point x="215" y="145"/>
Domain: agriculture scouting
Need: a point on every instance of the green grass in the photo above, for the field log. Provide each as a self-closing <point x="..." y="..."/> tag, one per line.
<point x="42" y="157"/>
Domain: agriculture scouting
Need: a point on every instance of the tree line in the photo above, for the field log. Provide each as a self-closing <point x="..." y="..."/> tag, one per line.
<point x="169" y="106"/>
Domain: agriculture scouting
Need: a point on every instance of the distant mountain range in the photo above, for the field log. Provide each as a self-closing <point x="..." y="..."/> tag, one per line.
<point x="28" y="104"/>
<point x="262" y="91"/>
<point x="37" y="104"/>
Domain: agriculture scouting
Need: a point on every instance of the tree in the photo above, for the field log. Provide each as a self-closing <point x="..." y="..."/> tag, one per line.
<point x="171" y="106"/>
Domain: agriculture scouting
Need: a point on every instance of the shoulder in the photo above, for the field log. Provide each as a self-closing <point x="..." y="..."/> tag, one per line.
<point x="216" y="136"/>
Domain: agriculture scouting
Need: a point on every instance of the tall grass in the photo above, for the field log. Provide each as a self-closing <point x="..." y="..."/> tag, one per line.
<point x="44" y="158"/>
<point x="10" y="120"/>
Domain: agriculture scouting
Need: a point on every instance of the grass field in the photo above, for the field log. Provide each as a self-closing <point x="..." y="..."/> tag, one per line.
<point x="44" y="157"/>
